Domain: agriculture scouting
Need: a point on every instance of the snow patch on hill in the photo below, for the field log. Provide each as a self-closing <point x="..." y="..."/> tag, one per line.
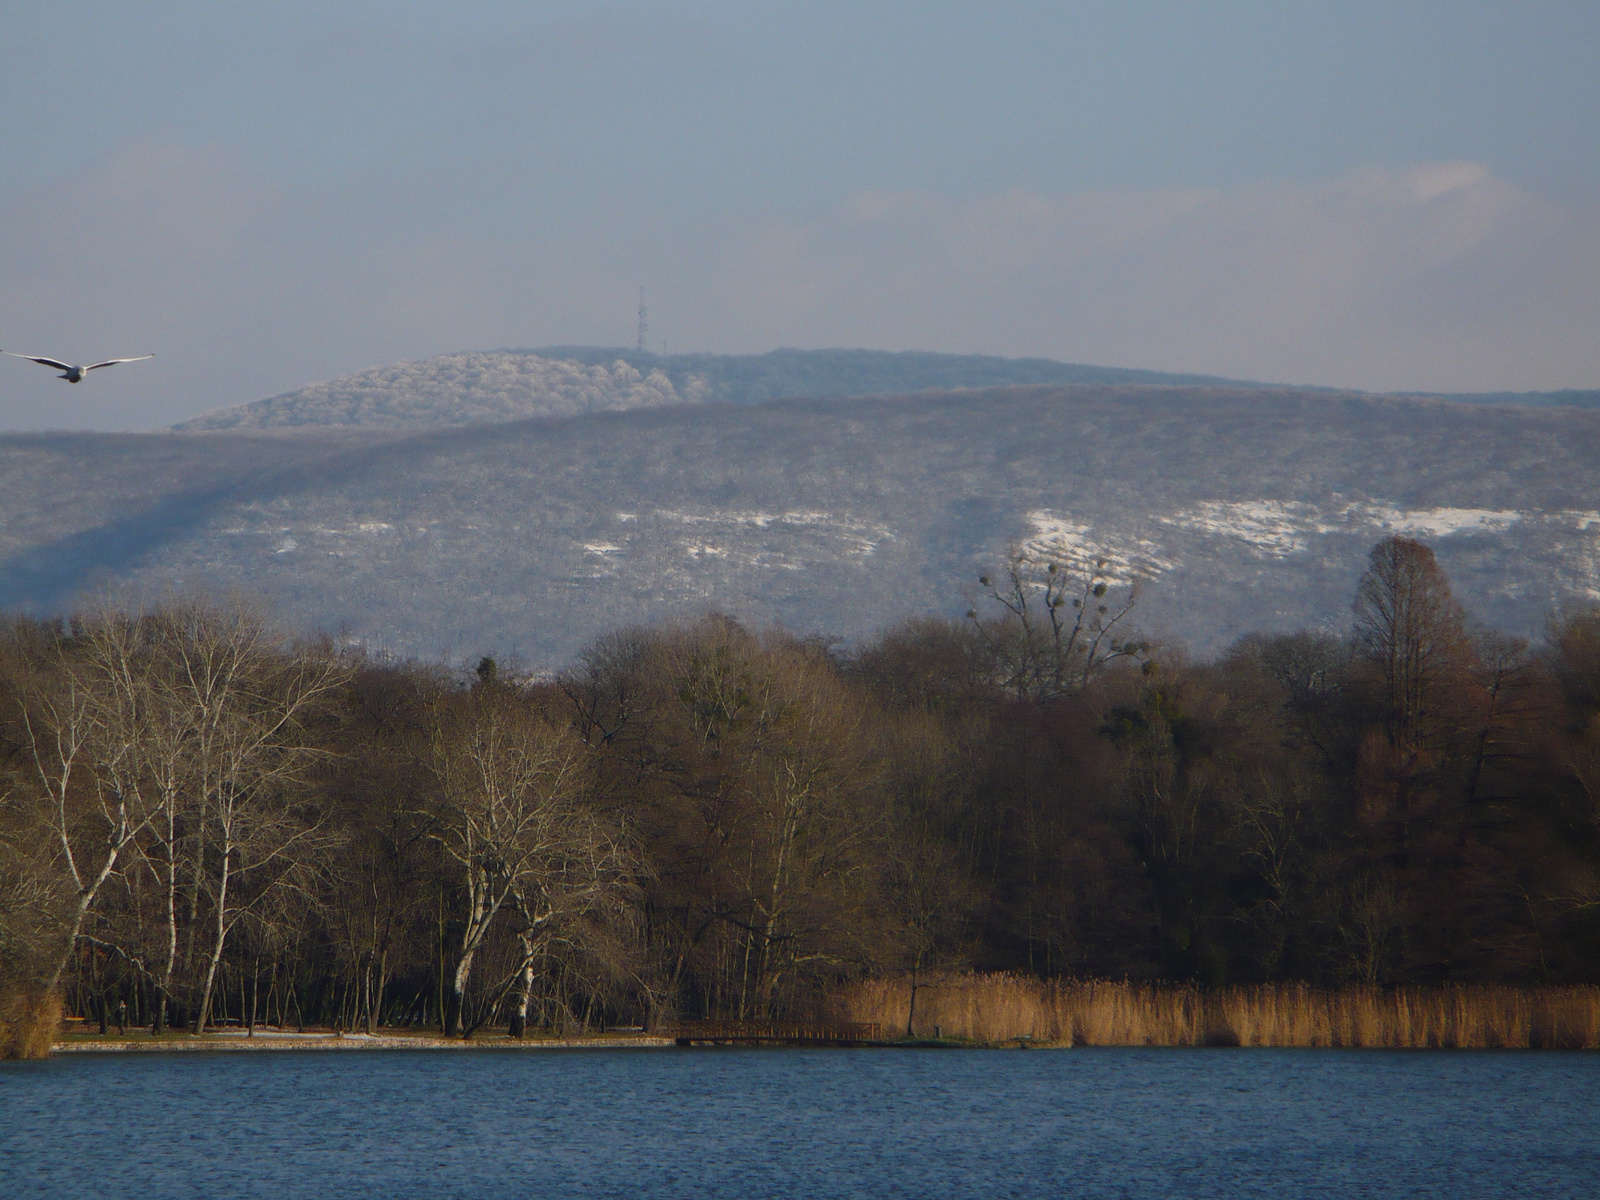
<point x="1273" y="528"/>
<point x="1278" y="529"/>
<point x="1269" y="529"/>
<point x="1119" y="560"/>
<point x="1444" y="522"/>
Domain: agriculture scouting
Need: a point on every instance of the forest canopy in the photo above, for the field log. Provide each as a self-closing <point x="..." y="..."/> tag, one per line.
<point x="204" y="820"/>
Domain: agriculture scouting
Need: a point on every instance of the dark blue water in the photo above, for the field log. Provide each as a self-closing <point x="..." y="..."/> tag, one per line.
<point x="798" y="1123"/>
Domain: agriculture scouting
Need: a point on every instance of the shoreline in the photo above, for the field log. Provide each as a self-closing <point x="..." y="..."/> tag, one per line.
<point x="234" y="1043"/>
<point x="239" y="1043"/>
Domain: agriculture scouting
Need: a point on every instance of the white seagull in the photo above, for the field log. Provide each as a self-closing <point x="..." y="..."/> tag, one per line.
<point x="70" y="373"/>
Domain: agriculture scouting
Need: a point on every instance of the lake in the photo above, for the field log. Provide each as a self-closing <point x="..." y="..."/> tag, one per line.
<point x="803" y="1123"/>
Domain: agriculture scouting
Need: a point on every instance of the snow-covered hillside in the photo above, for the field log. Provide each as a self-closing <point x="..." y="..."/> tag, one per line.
<point x="1240" y="509"/>
<point x="458" y="389"/>
<point x="508" y="385"/>
<point x="563" y="381"/>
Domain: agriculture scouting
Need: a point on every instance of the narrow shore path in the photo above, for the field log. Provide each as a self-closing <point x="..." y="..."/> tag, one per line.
<point x="231" y="1042"/>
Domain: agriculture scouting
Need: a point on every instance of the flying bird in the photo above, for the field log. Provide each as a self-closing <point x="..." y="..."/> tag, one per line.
<point x="74" y="374"/>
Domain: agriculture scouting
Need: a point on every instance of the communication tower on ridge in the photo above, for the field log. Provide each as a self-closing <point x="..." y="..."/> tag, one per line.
<point x="643" y="325"/>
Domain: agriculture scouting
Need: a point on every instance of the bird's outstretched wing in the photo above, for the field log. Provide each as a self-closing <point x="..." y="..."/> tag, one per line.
<point x="43" y="362"/>
<point x="111" y="362"/>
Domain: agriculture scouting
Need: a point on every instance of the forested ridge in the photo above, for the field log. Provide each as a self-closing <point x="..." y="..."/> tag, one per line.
<point x="1245" y="509"/>
<point x="206" y="822"/>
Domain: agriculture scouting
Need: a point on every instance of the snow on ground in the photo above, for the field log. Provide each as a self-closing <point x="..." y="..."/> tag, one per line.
<point x="1119" y="560"/>
<point x="1273" y="528"/>
<point x="1278" y="529"/>
<point x="1443" y="522"/>
<point x="856" y="538"/>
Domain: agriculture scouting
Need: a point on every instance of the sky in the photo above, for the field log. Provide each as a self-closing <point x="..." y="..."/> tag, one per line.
<point x="1387" y="196"/>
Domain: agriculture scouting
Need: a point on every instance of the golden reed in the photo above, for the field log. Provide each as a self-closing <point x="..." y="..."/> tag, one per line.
<point x="1002" y="1008"/>
<point x="29" y="1023"/>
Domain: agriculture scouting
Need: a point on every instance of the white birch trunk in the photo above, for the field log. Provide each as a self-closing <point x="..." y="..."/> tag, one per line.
<point x="220" y="937"/>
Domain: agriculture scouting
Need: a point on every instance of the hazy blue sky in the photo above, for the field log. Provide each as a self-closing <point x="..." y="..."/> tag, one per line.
<point x="1385" y="195"/>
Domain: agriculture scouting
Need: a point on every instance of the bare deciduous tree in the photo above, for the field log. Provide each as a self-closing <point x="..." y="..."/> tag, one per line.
<point x="1409" y="624"/>
<point x="82" y="719"/>
<point x="510" y="815"/>
<point x="1057" y="626"/>
<point x="233" y="738"/>
<point x="789" y="790"/>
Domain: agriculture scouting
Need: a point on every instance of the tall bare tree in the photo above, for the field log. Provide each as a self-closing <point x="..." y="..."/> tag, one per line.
<point x="510" y="815"/>
<point x="1407" y="621"/>
<point x="234" y="740"/>
<point x="82" y="714"/>
<point x="773" y="756"/>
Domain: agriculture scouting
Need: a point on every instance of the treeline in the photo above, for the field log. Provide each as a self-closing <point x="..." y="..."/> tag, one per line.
<point x="205" y="822"/>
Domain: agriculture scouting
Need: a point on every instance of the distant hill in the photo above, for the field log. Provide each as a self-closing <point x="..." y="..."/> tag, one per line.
<point x="792" y="374"/>
<point x="457" y="389"/>
<point x="789" y="374"/>
<point x="1242" y="508"/>
<point x="1569" y="398"/>
<point x="485" y="387"/>
<point x="507" y="385"/>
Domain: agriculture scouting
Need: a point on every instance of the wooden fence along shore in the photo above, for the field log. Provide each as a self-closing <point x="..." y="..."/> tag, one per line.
<point x="996" y="1009"/>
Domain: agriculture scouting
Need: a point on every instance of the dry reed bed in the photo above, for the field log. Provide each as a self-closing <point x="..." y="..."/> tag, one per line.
<point x="1000" y="1008"/>
<point x="28" y="1024"/>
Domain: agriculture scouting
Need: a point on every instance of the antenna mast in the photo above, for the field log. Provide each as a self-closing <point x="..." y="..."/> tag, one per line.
<point x="643" y="325"/>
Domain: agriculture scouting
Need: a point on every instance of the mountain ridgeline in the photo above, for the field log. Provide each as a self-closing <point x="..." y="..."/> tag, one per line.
<point x="505" y="385"/>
